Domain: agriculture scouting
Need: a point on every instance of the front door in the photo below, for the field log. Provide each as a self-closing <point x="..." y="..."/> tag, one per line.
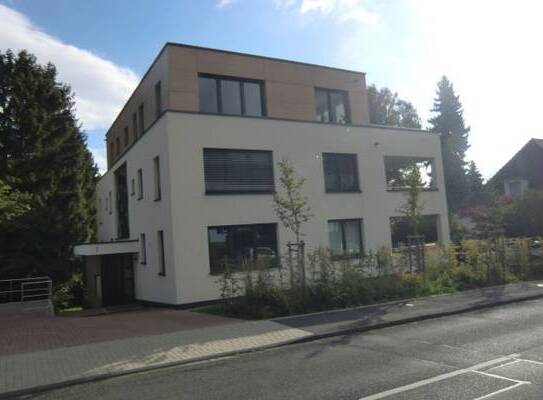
<point x="117" y="279"/>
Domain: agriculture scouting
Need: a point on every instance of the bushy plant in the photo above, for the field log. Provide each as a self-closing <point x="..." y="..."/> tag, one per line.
<point x="70" y="293"/>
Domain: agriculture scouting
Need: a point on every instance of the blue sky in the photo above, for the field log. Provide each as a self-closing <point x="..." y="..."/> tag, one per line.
<point x="487" y="48"/>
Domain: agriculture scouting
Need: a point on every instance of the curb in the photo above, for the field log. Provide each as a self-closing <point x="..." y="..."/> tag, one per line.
<point x="307" y="339"/>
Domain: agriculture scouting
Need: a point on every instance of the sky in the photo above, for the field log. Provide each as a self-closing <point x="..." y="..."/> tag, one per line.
<point x="489" y="49"/>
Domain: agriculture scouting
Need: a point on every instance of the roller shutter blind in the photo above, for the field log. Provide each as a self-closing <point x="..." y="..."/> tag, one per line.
<point x="238" y="171"/>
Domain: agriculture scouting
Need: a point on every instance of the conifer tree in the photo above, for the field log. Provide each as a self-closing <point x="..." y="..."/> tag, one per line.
<point x="43" y="158"/>
<point x="475" y="185"/>
<point x="449" y="123"/>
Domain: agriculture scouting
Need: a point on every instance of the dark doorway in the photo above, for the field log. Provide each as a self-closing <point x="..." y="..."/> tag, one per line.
<point x="117" y="279"/>
<point x="121" y="186"/>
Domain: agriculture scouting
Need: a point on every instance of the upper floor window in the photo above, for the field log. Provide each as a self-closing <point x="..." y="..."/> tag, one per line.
<point x="238" y="171"/>
<point x="135" y="126"/>
<point x="515" y="187"/>
<point x="403" y="171"/>
<point x="332" y="106"/>
<point x="158" y="99"/>
<point x="126" y="139"/>
<point x="161" y="258"/>
<point x="117" y="146"/>
<point x="340" y="172"/>
<point x="233" y="96"/>
<point x="158" y="188"/>
<point x="140" y="184"/>
<point x="141" y="119"/>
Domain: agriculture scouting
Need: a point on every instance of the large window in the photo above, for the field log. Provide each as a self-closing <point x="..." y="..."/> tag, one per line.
<point x="221" y="95"/>
<point x="345" y="237"/>
<point x="340" y="172"/>
<point x="238" y="171"/>
<point x="238" y="245"/>
<point x="332" y="106"/>
<point x="399" y="172"/>
<point x="401" y="229"/>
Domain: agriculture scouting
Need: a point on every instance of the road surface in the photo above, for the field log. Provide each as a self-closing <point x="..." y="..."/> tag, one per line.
<point x="492" y="354"/>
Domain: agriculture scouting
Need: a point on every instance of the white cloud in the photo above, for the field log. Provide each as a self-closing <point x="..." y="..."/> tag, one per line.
<point x="101" y="87"/>
<point x="226" y="3"/>
<point x="342" y="10"/>
<point x="100" y="158"/>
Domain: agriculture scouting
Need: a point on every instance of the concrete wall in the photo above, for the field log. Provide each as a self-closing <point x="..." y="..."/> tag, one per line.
<point x="145" y="215"/>
<point x="302" y="143"/>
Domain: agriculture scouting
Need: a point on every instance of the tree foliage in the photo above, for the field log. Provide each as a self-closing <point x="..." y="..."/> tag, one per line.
<point x="413" y="206"/>
<point x="45" y="168"/>
<point x="449" y="122"/>
<point x="291" y="206"/>
<point x="387" y="109"/>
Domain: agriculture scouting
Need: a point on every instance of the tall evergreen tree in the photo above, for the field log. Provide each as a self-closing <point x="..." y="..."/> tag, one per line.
<point x="387" y="109"/>
<point x="475" y="185"/>
<point x="449" y="122"/>
<point x="43" y="157"/>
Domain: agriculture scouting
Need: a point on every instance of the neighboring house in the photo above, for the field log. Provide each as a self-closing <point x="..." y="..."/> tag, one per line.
<point x="522" y="172"/>
<point x="192" y="168"/>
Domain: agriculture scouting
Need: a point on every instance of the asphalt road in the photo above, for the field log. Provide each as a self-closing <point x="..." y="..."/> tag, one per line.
<point x="489" y="354"/>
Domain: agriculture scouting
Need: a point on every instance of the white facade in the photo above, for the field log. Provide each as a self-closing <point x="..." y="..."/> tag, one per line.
<point x="184" y="211"/>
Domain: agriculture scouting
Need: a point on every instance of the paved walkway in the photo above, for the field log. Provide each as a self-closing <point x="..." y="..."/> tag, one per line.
<point x="28" y="371"/>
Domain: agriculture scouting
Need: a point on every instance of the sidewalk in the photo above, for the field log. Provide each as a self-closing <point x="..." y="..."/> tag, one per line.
<point x="26" y="372"/>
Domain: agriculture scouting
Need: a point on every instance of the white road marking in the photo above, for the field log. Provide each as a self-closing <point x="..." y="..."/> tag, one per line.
<point x="504" y="365"/>
<point x="500" y="377"/>
<point x="530" y="361"/>
<point x="438" y="378"/>
<point x="487" y="396"/>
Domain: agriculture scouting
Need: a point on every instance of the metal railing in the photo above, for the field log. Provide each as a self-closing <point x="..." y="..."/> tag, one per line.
<point x="26" y="289"/>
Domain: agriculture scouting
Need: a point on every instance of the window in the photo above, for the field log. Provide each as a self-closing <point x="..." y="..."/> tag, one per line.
<point x="345" y="236"/>
<point x="110" y="202"/>
<point x="105" y="204"/>
<point x="143" y="249"/>
<point x="233" y="96"/>
<point x="141" y="121"/>
<point x="117" y="146"/>
<point x="238" y="171"/>
<point x="158" y="190"/>
<point x="126" y="138"/>
<point x="132" y="187"/>
<point x="135" y="126"/>
<point x="160" y="248"/>
<point x="401" y="229"/>
<point x="332" y="106"/>
<point x="140" y="184"/>
<point x="340" y="172"/>
<point x="112" y="149"/>
<point x="399" y="172"/>
<point x="158" y="99"/>
<point x="235" y="244"/>
<point x="515" y="187"/>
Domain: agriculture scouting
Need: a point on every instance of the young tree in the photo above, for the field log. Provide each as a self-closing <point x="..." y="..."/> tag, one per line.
<point x="449" y="122"/>
<point x="387" y="109"/>
<point x="292" y="207"/>
<point x="43" y="153"/>
<point x="412" y="208"/>
<point x="475" y="185"/>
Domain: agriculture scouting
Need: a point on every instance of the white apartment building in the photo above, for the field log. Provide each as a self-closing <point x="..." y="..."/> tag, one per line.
<point x="192" y="168"/>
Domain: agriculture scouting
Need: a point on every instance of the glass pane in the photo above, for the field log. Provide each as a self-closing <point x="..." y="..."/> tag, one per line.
<point x="208" y="95"/>
<point x="321" y="101"/>
<point x="334" y="235"/>
<point x="253" y="99"/>
<point x="352" y="237"/>
<point x="217" y="248"/>
<point x="230" y="97"/>
<point x="347" y="173"/>
<point x="339" y="107"/>
<point x="331" y="177"/>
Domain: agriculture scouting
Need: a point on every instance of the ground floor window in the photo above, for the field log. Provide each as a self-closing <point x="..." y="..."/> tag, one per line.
<point x="345" y="236"/>
<point x="232" y="244"/>
<point x="401" y="228"/>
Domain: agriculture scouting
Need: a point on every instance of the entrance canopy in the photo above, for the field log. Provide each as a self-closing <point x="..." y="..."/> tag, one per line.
<point x="104" y="248"/>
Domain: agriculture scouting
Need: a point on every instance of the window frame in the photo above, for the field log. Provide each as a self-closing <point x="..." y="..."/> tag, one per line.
<point x="241" y="81"/>
<point x="158" y="183"/>
<point x="221" y="192"/>
<point x="215" y="271"/>
<point x="158" y="99"/>
<point x="360" y="224"/>
<point x="331" y="112"/>
<point x="356" y="189"/>
<point x="160" y="253"/>
<point x="143" y="249"/>
<point x="140" y="183"/>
